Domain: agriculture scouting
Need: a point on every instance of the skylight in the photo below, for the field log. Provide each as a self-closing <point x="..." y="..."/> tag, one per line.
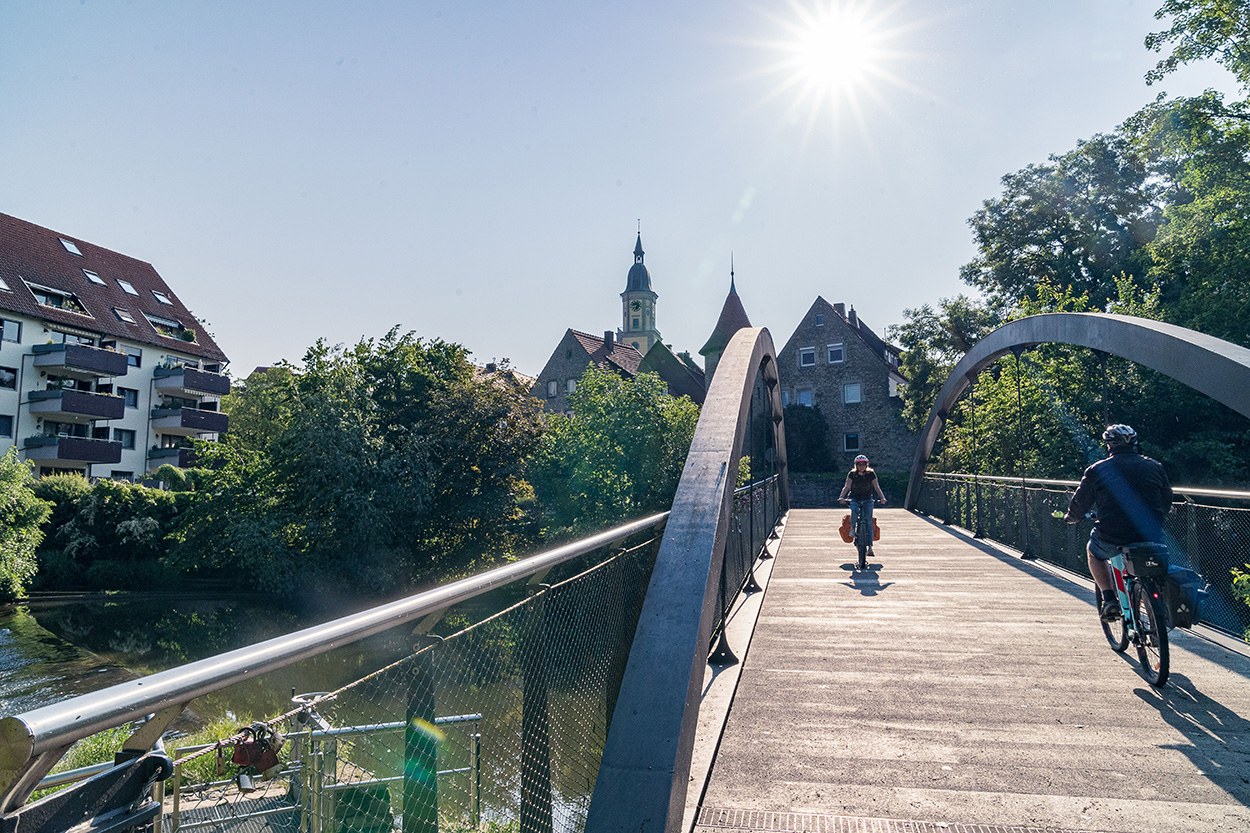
<point x="70" y="247"/>
<point x="93" y="277"/>
<point x="163" y="298"/>
<point x="123" y="315"/>
<point x="4" y="286"/>
<point x="125" y="285"/>
<point x="57" y="298"/>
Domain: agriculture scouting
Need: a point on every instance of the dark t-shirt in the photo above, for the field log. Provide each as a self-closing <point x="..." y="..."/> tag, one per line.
<point x="861" y="484"/>
<point x="1132" y="494"/>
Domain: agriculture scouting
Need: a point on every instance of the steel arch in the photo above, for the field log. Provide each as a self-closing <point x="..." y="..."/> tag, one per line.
<point x="1218" y="368"/>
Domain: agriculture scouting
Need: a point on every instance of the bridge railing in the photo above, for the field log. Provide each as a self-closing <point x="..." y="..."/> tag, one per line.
<point x="1207" y="530"/>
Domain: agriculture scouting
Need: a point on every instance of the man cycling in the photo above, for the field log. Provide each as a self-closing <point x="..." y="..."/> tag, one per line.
<point x="861" y="481"/>
<point x="1132" y="494"/>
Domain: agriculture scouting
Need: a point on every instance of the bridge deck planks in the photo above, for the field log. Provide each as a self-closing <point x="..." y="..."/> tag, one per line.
<point x="959" y="684"/>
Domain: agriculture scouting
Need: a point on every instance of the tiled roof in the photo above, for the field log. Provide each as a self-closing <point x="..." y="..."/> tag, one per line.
<point x="33" y="253"/>
<point x="683" y="376"/>
<point x="733" y="317"/>
<point x="623" y="356"/>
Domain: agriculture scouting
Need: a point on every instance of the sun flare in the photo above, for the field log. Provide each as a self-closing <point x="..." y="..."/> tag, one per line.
<point x="836" y="51"/>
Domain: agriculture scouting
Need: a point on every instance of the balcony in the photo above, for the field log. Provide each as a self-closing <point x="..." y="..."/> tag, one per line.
<point x="183" y="458"/>
<point x="76" y="405"/>
<point x="71" y="451"/>
<point x="188" y="422"/>
<point x="186" y="381"/>
<point x="78" y="361"/>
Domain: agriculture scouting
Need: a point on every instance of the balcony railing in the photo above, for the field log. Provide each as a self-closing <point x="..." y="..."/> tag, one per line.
<point x="72" y="451"/>
<point x="79" y="361"/>
<point x="183" y="458"/>
<point x="187" y="381"/>
<point x="188" y="422"/>
<point x="76" y="405"/>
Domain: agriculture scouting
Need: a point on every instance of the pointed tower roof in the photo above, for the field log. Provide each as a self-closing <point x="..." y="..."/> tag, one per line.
<point x="639" y="279"/>
<point x="733" y="317"/>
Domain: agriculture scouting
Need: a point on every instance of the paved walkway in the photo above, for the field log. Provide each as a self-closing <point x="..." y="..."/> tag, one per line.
<point x="955" y="687"/>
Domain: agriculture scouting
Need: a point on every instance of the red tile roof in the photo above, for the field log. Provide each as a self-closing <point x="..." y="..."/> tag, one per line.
<point x="624" y="356"/>
<point x="33" y="253"/>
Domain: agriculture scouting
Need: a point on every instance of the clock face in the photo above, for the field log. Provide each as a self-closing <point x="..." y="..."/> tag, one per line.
<point x="635" y="305"/>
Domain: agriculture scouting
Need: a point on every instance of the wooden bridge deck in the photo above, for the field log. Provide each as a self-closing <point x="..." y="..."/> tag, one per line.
<point x="956" y="687"/>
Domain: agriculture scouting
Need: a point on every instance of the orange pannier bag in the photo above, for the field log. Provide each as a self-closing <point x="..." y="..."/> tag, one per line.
<point x="845" y="530"/>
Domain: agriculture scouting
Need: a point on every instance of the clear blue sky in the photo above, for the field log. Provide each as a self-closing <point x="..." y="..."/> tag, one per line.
<point x="475" y="171"/>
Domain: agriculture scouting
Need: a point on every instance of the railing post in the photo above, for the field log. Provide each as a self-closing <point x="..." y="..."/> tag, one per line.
<point x="535" y="731"/>
<point x="421" y="752"/>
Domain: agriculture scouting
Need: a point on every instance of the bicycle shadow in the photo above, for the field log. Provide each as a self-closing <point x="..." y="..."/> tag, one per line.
<point x="867" y="582"/>
<point x="1215" y="735"/>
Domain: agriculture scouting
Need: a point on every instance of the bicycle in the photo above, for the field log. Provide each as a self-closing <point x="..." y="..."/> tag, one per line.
<point x="863" y="531"/>
<point x="1136" y="569"/>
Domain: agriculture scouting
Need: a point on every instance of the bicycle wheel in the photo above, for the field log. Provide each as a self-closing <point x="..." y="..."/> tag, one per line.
<point x="1116" y="632"/>
<point x="1152" y="634"/>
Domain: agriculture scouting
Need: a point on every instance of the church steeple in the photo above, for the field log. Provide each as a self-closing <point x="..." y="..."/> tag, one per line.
<point x="638" y="304"/>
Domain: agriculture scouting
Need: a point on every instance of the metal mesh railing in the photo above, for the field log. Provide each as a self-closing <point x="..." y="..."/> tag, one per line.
<point x="499" y="723"/>
<point x="756" y="509"/>
<point x="1207" y="530"/>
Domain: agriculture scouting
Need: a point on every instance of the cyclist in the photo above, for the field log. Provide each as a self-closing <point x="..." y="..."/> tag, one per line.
<point x="861" y="481"/>
<point x="1132" y="495"/>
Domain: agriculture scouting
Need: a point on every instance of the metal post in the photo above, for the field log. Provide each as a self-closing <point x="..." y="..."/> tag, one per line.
<point x="723" y="655"/>
<point x="421" y="752"/>
<point x="173" y="816"/>
<point x="535" y="732"/>
<point x="1026" y="549"/>
<point x="475" y="800"/>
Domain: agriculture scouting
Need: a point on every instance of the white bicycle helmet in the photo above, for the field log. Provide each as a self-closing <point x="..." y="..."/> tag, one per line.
<point x="861" y="459"/>
<point x="1118" y="436"/>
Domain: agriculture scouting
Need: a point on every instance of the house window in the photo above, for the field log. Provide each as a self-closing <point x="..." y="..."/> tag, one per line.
<point x="635" y="324"/>
<point x="807" y="357"/>
<point x="850" y="442"/>
<point x="70" y="247"/>
<point x="805" y="397"/>
<point x="130" y="395"/>
<point x="134" y="356"/>
<point x="6" y="426"/>
<point x="571" y="385"/>
<point x="8" y="378"/>
<point x="93" y="277"/>
<point x="836" y="353"/>
<point x="851" y="393"/>
<point x="127" y="287"/>
<point x="11" y="330"/>
<point x="785" y="399"/>
<point x="163" y="298"/>
<point x="57" y="337"/>
<point x="123" y="315"/>
<point x="124" y="436"/>
<point x="100" y="432"/>
<point x="553" y="388"/>
<point x="820" y="320"/>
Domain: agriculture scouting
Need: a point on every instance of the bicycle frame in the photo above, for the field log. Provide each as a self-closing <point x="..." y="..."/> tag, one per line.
<point x="1121" y="577"/>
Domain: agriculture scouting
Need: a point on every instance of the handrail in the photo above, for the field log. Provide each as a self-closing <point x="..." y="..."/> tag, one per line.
<point x="36" y="739"/>
<point x="644" y="773"/>
<point x="1037" y="481"/>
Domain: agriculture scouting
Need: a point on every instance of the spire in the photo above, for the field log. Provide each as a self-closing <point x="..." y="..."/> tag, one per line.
<point x="638" y="253"/>
<point x="733" y="317"/>
<point x="638" y="279"/>
<point x="732" y="290"/>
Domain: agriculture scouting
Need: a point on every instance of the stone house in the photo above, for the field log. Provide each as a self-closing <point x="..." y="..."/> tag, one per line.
<point x="836" y="363"/>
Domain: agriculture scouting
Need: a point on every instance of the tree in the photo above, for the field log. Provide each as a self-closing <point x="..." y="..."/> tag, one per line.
<point x="21" y="514"/>
<point x="619" y="456"/>
<point x="1203" y="29"/>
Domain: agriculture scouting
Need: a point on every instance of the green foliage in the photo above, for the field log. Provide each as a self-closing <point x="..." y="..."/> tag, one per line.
<point x="21" y="514"/>
<point x="1200" y="30"/>
<point x="106" y="535"/>
<point x="618" y="457"/>
<point x="365" y="469"/>
<point x="1241" y="587"/>
<point x="173" y="477"/>
<point x="807" y="439"/>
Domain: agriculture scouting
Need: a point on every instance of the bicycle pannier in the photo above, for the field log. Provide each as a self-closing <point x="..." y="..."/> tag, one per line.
<point x="845" y="529"/>
<point x="1184" y="592"/>
<point x="876" y="530"/>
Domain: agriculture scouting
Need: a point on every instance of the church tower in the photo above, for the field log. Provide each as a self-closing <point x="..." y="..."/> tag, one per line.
<point x="638" y="306"/>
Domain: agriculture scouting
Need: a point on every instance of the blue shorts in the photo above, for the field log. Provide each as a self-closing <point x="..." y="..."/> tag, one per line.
<point x="1100" y="548"/>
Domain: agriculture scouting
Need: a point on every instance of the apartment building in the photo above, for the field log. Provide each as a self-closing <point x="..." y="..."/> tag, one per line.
<point x="103" y="371"/>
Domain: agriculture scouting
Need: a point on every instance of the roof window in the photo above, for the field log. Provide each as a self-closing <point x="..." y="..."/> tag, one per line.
<point x="57" y="298"/>
<point x="93" y="277"/>
<point x="70" y="247"/>
<point x="163" y="298"/>
<point x="4" y="286"/>
<point x="129" y="290"/>
<point x="123" y="315"/>
<point x="170" y="328"/>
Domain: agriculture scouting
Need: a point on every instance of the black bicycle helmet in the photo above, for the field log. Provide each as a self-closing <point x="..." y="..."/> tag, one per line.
<point x="1118" y="436"/>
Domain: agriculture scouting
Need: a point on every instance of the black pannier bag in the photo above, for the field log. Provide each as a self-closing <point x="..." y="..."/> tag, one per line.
<point x="1184" y="592"/>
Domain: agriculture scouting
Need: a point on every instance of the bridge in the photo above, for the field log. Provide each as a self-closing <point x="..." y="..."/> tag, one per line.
<point x="721" y="667"/>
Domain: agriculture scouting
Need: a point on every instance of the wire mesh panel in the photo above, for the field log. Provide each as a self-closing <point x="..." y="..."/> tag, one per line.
<point x="1206" y="531"/>
<point x="496" y="722"/>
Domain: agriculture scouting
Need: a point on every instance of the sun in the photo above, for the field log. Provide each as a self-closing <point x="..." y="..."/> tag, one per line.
<point x="833" y="58"/>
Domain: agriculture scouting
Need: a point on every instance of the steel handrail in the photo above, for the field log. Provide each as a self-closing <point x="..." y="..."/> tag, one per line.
<point x="51" y="728"/>
<point x="1037" y="481"/>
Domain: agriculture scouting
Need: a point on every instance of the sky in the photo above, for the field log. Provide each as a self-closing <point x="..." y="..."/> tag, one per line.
<point x="478" y="171"/>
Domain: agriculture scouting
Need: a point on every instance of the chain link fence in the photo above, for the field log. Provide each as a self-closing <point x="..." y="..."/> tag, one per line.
<point x="1207" y="530"/>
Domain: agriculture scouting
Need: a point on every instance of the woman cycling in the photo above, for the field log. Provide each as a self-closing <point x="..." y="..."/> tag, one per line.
<point x="860" y="484"/>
